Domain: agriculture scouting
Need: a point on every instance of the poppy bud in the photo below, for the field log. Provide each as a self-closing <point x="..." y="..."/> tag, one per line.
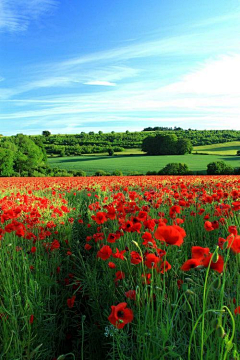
<point x="215" y="256"/>
<point x="220" y="332"/>
<point x="235" y="354"/>
<point x="228" y="344"/>
<point x="190" y="280"/>
<point x="190" y="292"/>
<point x="225" y="245"/>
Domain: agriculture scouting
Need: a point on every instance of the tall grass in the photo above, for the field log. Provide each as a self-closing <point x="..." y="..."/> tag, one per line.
<point x="177" y="314"/>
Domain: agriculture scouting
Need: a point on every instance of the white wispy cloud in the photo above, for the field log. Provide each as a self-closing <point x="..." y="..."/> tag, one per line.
<point x="154" y="79"/>
<point x="105" y="75"/>
<point x="16" y="15"/>
<point x="100" y="83"/>
<point x="214" y="77"/>
<point x="230" y="17"/>
<point x="207" y="95"/>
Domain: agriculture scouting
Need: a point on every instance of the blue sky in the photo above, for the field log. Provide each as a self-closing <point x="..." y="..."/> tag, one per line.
<point x="69" y="66"/>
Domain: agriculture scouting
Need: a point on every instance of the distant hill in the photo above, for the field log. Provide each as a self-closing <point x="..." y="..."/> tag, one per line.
<point x="97" y="143"/>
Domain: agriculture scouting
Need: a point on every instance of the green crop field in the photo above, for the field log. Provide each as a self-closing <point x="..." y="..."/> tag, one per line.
<point x="131" y="151"/>
<point x="228" y="148"/>
<point x="140" y="163"/>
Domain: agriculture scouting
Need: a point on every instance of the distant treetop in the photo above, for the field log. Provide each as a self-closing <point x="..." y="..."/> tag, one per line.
<point x="163" y="128"/>
<point x="46" y="133"/>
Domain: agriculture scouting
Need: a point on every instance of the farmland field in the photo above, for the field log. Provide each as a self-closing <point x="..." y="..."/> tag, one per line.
<point x="228" y="148"/>
<point x="120" y="268"/>
<point x="140" y="163"/>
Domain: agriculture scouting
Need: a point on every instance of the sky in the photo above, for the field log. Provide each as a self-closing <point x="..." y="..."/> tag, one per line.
<point x="69" y="66"/>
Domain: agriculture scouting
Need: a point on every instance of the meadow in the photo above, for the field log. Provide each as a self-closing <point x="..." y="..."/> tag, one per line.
<point x="228" y="148"/>
<point x="129" y="162"/>
<point x="128" y="268"/>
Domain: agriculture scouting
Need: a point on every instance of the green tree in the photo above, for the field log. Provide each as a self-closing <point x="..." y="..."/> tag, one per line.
<point x="29" y="156"/>
<point x="219" y="168"/>
<point x="175" y="169"/>
<point x="62" y="152"/>
<point x="117" y="173"/>
<point x="160" y="144"/>
<point x="38" y="141"/>
<point x="46" y="133"/>
<point x="110" y="151"/>
<point x="184" y="146"/>
<point x="6" y="162"/>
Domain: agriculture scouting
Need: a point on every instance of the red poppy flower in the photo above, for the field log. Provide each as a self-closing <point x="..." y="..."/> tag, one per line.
<point x="179" y="283"/>
<point x="119" y="254"/>
<point x="31" y="319"/>
<point x="172" y="235"/>
<point x="111" y="265"/>
<point x="111" y="214"/>
<point x="217" y="266"/>
<point x="147" y="236"/>
<point x="87" y="247"/>
<point x="131" y="294"/>
<point x="128" y="227"/>
<point x="237" y="311"/>
<point x="142" y="215"/>
<point x="135" y="258"/>
<point x="151" y="261"/>
<point x="202" y="256"/>
<point x="101" y="217"/>
<point x="70" y="302"/>
<point x="120" y="315"/>
<point x="164" y="267"/>
<point x="146" y="278"/>
<point x="190" y="264"/>
<point x="105" y="252"/>
<point x="232" y="230"/>
<point x="54" y="245"/>
<point x="199" y="252"/>
<point x="111" y="238"/>
<point x="119" y="275"/>
<point x="234" y="243"/>
<point x="221" y="241"/>
<point x="208" y="226"/>
<point x="148" y="240"/>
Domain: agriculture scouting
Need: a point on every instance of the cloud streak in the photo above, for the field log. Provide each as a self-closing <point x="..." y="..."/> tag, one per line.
<point x="100" y="83"/>
<point x="16" y="15"/>
<point x="181" y="79"/>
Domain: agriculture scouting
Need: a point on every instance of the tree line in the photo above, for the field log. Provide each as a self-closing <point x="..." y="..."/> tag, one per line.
<point x="21" y="156"/>
<point x="166" y="144"/>
<point x="95" y="143"/>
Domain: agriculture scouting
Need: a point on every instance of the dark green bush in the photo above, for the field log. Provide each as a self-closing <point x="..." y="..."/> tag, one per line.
<point x="175" y="169"/>
<point x="100" y="173"/>
<point x="117" y="173"/>
<point x="110" y="152"/>
<point x="219" y="168"/>
<point x="151" y="173"/>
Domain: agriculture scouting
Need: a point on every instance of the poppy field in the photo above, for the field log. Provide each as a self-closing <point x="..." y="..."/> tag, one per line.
<point x="120" y="268"/>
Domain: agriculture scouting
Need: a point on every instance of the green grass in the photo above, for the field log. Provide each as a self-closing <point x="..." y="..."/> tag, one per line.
<point x="228" y="148"/>
<point x="131" y="151"/>
<point x="140" y="163"/>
